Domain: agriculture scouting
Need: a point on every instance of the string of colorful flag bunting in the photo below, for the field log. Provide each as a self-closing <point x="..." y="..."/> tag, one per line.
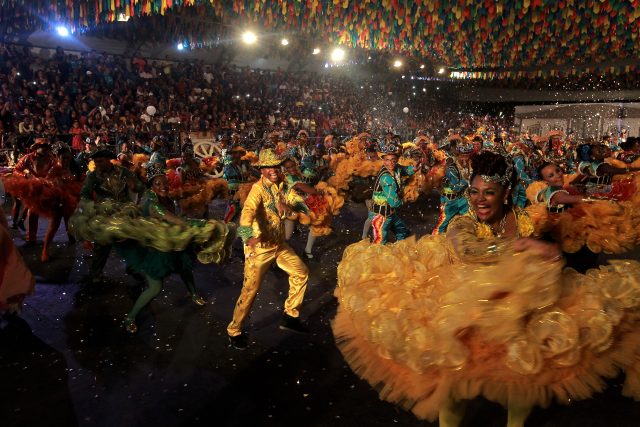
<point x="461" y="33"/>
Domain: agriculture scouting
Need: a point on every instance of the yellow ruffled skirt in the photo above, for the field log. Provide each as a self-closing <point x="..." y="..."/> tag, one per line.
<point x="422" y="327"/>
<point x="602" y="226"/>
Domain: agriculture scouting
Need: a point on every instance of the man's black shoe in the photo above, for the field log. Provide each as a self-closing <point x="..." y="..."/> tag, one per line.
<point x="239" y="342"/>
<point x="293" y="324"/>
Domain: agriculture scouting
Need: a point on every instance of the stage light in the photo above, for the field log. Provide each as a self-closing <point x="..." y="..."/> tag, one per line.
<point x="403" y="76"/>
<point x="422" y="66"/>
<point x="62" y="31"/>
<point x="337" y="55"/>
<point x="180" y="46"/>
<point x="397" y="63"/>
<point x="316" y="51"/>
<point x="284" y="42"/>
<point x="441" y="70"/>
<point x="249" y="37"/>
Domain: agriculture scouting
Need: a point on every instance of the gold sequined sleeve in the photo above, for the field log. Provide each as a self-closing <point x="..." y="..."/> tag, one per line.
<point x="470" y="241"/>
<point x="248" y="215"/>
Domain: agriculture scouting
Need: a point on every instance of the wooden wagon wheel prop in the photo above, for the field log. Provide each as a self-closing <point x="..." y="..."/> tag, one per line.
<point x="204" y="149"/>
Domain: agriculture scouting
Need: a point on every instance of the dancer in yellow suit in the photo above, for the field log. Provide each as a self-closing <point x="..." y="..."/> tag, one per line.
<point x="262" y="231"/>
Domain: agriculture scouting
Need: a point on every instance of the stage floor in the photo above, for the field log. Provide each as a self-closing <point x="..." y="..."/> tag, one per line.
<point x="67" y="361"/>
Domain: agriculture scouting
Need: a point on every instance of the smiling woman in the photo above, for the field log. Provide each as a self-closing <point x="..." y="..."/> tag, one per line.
<point x="484" y="310"/>
<point x="490" y="198"/>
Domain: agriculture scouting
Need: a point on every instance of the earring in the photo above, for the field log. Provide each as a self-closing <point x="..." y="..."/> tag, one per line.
<point x="506" y="201"/>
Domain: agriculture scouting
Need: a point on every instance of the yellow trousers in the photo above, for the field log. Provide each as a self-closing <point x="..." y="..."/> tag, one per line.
<point x="256" y="263"/>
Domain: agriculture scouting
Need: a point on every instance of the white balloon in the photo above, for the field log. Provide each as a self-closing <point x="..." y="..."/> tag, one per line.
<point x="151" y="110"/>
<point x="405" y="110"/>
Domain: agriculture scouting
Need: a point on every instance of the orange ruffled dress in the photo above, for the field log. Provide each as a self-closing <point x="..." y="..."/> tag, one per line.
<point x="460" y="316"/>
<point x="194" y="196"/>
<point x="602" y="226"/>
<point x="57" y="194"/>
<point x="316" y="211"/>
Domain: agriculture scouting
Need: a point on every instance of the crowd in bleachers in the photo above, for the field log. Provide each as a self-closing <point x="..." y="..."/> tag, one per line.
<point x="72" y="97"/>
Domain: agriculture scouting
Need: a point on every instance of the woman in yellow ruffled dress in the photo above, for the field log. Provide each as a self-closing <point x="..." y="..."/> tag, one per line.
<point x="609" y="224"/>
<point x="485" y="310"/>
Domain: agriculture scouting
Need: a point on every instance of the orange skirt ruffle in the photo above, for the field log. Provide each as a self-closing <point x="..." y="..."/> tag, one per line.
<point x="43" y="196"/>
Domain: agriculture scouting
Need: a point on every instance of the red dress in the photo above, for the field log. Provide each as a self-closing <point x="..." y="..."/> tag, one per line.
<point x="76" y="142"/>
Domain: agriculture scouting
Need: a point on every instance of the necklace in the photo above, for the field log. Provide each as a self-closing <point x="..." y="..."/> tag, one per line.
<point x="501" y="226"/>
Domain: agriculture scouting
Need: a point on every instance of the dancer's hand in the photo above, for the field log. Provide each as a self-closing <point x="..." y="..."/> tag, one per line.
<point x="549" y="251"/>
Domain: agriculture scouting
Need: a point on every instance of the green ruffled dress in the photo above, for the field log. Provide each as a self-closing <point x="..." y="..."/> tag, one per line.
<point x="156" y="264"/>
